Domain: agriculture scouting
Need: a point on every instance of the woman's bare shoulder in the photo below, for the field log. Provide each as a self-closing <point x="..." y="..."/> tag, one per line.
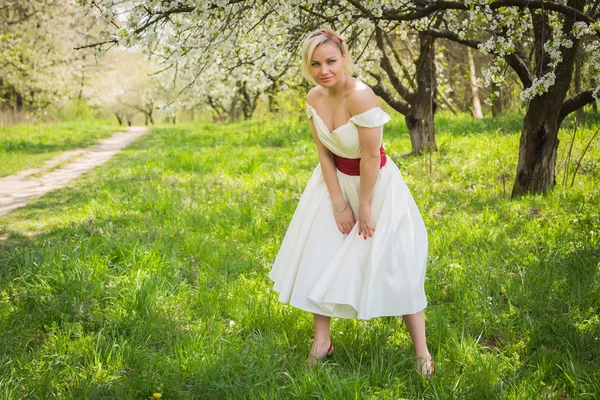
<point x="361" y="98"/>
<point x="313" y="96"/>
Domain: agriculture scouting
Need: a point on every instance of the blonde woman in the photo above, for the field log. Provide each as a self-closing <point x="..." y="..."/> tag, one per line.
<point x="356" y="246"/>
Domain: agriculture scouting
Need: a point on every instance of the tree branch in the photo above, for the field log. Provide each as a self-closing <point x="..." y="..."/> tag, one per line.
<point x="515" y="60"/>
<point x="393" y="15"/>
<point x="163" y="15"/>
<point x="381" y="91"/>
<point x="575" y="103"/>
<point x="398" y="59"/>
<point x="325" y="18"/>
<point x="386" y="65"/>
<point x="113" y="41"/>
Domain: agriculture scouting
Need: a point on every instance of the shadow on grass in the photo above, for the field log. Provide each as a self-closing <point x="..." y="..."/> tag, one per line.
<point x="26" y="147"/>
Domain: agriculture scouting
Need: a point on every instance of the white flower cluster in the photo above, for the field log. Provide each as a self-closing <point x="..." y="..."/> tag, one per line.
<point x="499" y="46"/>
<point x="591" y="67"/>
<point x="580" y="28"/>
<point x="493" y="73"/>
<point x="365" y="24"/>
<point x="552" y="47"/>
<point x="539" y="86"/>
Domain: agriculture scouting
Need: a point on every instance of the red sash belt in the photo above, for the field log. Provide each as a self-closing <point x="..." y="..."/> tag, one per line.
<point x="351" y="166"/>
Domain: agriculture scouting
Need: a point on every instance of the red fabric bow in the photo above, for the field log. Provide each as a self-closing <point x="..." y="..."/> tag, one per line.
<point x="328" y="33"/>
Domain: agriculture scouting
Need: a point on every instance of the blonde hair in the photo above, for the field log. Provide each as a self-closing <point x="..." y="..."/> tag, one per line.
<point x="314" y="40"/>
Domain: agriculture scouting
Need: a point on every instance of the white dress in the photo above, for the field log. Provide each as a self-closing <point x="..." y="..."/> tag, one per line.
<point x="320" y="270"/>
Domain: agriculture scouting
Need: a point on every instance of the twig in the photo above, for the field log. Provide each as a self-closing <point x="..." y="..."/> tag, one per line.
<point x="568" y="160"/>
<point x="583" y="154"/>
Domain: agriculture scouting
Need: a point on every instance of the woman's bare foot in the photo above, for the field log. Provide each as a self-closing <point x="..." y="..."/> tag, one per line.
<point x="425" y="365"/>
<point x="322" y="347"/>
<point x="319" y="352"/>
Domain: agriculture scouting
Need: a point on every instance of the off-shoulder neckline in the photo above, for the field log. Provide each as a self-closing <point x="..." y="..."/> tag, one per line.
<point x="341" y="126"/>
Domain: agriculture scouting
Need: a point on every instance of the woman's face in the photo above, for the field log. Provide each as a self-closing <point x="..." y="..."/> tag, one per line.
<point x="327" y="64"/>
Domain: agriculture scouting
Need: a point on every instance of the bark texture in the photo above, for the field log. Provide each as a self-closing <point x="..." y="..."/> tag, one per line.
<point x="539" y="138"/>
<point x="419" y="105"/>
<point x="476" y="111"/>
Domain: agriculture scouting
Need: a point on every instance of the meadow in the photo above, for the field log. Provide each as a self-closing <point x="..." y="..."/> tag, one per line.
<point x="25" y="146"/>
<point x="148" y="275"/>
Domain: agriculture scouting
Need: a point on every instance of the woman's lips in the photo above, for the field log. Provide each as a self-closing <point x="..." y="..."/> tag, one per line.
<point x="326" y="79"/>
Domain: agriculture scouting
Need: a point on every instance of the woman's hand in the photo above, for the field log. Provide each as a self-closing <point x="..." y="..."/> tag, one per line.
<point x="345" y="221"/>
<point x="364" y="221"/>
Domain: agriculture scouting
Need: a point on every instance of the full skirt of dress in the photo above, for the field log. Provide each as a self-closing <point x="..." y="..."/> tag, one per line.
<point x="320" y="270"/>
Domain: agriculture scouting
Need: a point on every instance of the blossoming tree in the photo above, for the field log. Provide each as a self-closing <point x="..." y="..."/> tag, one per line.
<point x="242" y="33"/>
<point x="552" y="33"/>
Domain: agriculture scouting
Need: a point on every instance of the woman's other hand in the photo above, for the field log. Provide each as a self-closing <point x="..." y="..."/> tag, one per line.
<point x="345" y="220"/>
<point x="364" y="221"/>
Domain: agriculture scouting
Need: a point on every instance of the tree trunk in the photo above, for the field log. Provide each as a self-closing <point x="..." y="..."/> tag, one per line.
<point x="477" y="114"/>
<point x="272" y="94"/>
<point x="248" y="105"/>
<point x="420" y="118"/>
<point x="539" y="138"/>
<point x="421" y="126"/>
<point x="233" y="108"/>
<point x="18" y="102"/>
<point x="420" y="106"/>
<point x="119" y="118"/>
<point x="82" y="83"/>
<point x="537" y="149"/>
<point x="217" y="108"/>
<point x="595" y="103"/>
<point x="497" y="101"/>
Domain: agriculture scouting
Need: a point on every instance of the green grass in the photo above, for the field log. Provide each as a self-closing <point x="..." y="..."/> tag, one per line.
<point x="149" y="274"/>
<point x="25" y="146"/>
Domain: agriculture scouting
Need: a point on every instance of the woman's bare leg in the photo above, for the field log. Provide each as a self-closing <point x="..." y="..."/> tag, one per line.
<point x="415" y="323"/>
<point x="321" y="341"/>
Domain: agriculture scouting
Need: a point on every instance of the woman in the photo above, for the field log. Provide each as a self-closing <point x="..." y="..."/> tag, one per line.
<point x="356" y="246"/>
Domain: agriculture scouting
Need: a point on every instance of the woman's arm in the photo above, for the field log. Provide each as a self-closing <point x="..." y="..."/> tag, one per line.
<point x="345" y="221"/>
<point x="370" y="141"/>
<point x="360" y="101"/>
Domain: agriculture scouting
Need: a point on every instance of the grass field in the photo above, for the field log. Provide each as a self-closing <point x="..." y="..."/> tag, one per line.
<point x="25" y="146"/>
<point x="149" y="275"/>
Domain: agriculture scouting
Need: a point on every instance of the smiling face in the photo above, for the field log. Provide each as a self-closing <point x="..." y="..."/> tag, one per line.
<point x="327" y="64"/>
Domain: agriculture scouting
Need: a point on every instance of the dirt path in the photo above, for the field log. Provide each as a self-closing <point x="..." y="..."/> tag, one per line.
<point x="18" y="189"/>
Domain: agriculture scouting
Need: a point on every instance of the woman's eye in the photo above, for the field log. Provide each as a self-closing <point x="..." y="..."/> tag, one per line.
<point x="314" y="64"/>
<point x="331" y="61"/>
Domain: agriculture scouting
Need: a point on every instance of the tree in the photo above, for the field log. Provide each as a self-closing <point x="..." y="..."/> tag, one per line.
<point x="476" y="110"/>
<point x="38" y="65"/>
<point x="420" y="103"/>
<point x="555" y="30"/>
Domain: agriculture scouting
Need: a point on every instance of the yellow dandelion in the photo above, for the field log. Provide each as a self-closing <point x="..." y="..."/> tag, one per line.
<point x="157" y="395"/>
